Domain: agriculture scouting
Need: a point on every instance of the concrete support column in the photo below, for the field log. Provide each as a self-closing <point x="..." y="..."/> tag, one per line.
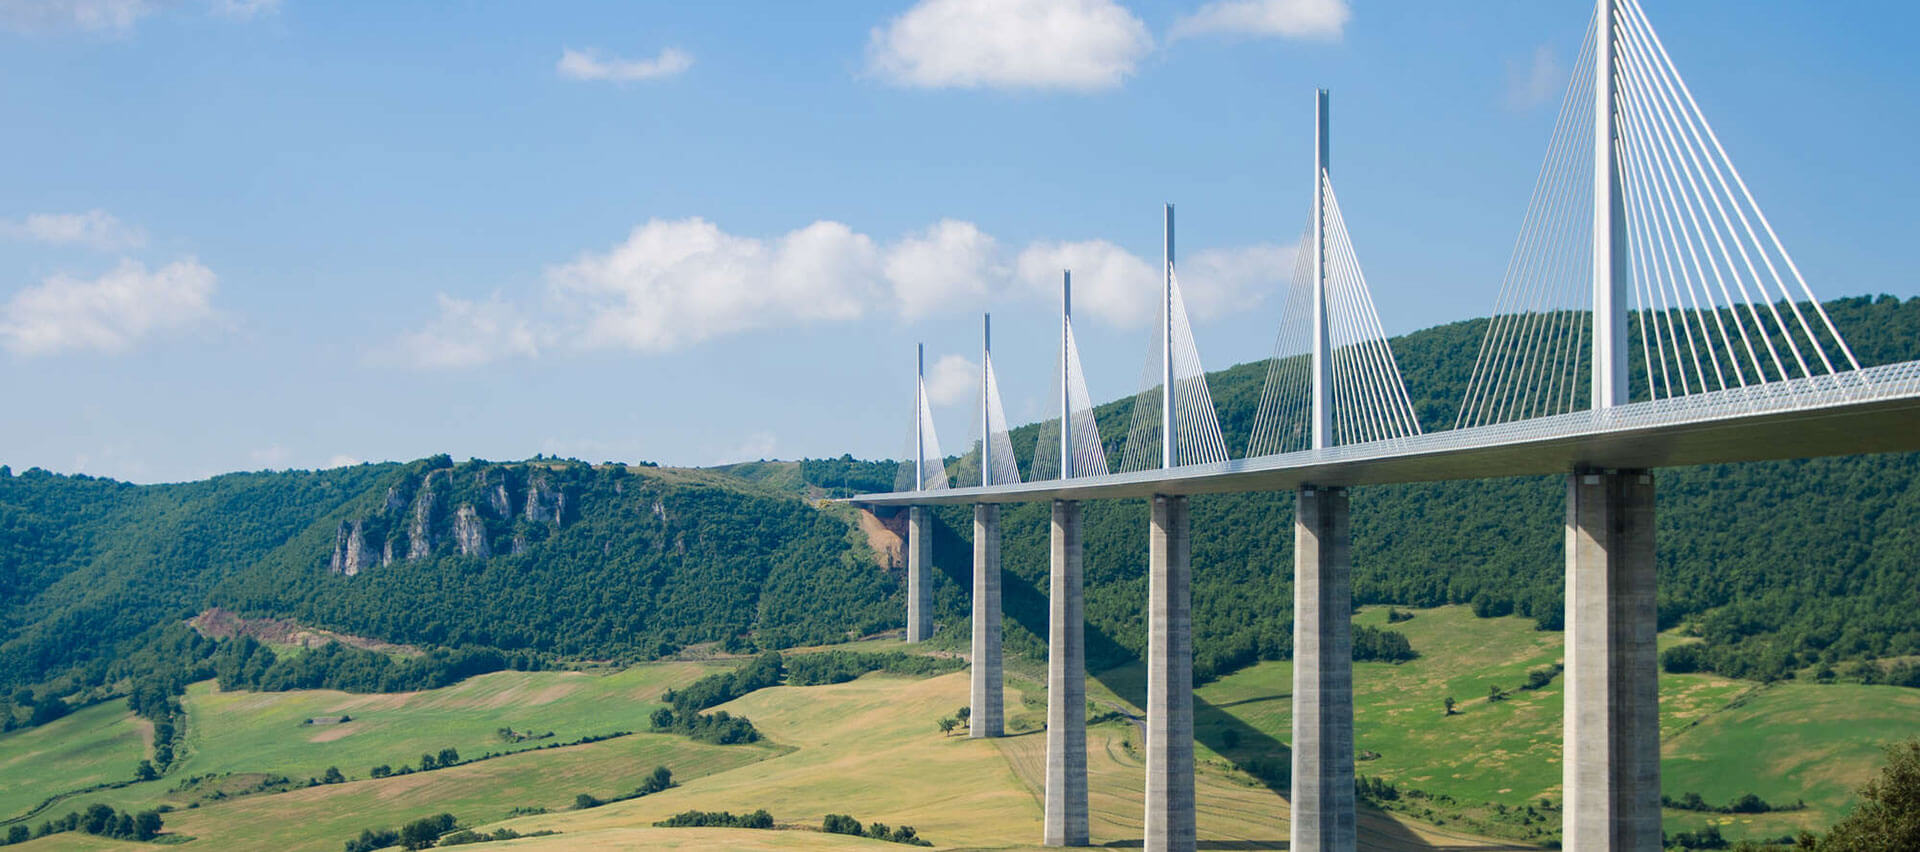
<point x="919" y="574"/>
<point x="1170" y="817"/>
<point x="987" y="717"/>
<point x="1323" y="796"/>
<point x="1612" y="716"/>
<point x="1066" y="794"/>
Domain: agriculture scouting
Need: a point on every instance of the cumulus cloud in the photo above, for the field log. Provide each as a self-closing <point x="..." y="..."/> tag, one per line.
<point x="244" y="9"/>
<point x="1109" y="283"/>
<point x="92" y="15"/>
<point x="95" y="229"/>
<point x="110" y="313"/>
<point x="109" y="16"/>
<point x="1298" y="19"/>
<point x="952" y="379"/>
<point x="1217" y="282"/>
<point x="757" y="446"/>
<point x="675" y="283"/>
<point x="1009" y="44"/>
<point x="951" y="263"/>
<point x="467" y="334"/>
<point x="1534" y="82"/>
<point x="679" y="282"/>
<point x="588" y="65"/>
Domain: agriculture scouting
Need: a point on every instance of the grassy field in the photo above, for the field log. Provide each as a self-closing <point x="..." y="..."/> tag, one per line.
<point x="99" y="744"/>
<point x="869" y="748"/>
<point x="1721" y="738"/>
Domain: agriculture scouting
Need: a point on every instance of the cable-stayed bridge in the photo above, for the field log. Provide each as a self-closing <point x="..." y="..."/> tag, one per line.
<point x="1649" y="316"/>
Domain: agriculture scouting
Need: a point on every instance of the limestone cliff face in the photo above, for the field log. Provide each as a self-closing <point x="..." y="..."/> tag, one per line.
<point x="426" y="505"/>
<point x="545" y="503"/>
<point x="480" y="512"/>
<point x="470" y="532"/>
<point x="350" y="553"/>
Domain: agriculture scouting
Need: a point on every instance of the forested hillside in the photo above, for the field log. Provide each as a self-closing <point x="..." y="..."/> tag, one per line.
<point x="1776" y="565"/>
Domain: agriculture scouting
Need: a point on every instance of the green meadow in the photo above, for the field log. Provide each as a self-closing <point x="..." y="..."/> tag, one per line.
<point x="870" y="748"/>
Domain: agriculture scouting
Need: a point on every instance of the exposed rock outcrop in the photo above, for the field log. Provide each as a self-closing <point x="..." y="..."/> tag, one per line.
<point x="470" y="532"/>
<point x="545" y="504"/>
<point x="350" y="548"/>
<point x="420" y="531"/>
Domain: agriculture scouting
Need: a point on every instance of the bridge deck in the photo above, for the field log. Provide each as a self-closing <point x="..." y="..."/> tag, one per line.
<point x="1872" y="410"/>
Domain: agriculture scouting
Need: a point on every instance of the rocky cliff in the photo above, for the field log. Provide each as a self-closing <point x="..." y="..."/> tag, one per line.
<point x="473" y="513"/>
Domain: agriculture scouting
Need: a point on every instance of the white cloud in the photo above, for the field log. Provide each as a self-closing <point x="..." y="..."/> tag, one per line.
<point x="96" y="229"/>
<point x="1011" y="44"/>
<point x="244" y="9"/>
<point x="340" y="460"/>
<point x="952" y="379"/>
<point x="1300" y="19"/>
<point x="756" y="447"/>
<point x="588" y="65"/>
<point x="950" y="264"/>
<point x="1109" y="283"/>
<point x="92" y="15"/>
<point x="1532" y="83"/>
<point x="110" y="313"/>
<point x="1217" y="282"/>
<point x="675" y="283"/>
<point x="466" y="334"/>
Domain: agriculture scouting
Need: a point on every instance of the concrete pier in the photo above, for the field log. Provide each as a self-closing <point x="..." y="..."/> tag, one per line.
<point x="1612" y="717"/>
<point x="919" y="574"/>
<point x="1323" y="796"/>
<point x="1066" y="793"/>
<point x="1170" y="816"/>
<point x="988" y="714"/>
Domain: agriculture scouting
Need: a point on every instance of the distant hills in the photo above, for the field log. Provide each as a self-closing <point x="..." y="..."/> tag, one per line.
<point x="1778" y="566"/>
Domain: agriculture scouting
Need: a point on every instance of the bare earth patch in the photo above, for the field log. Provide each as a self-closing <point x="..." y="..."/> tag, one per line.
<point x="217" y="623"/>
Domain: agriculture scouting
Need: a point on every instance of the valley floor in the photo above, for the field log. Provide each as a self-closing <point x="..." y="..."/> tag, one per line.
<point x="870" y="749"/>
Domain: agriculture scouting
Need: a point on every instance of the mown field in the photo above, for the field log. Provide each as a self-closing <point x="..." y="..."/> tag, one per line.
<point x="870" y="748"/>
<point x="95" y="745"/>
<point x="1721" y="738"/>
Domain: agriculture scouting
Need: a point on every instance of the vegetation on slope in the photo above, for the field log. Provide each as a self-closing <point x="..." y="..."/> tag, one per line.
<point x="1778" y="566"/>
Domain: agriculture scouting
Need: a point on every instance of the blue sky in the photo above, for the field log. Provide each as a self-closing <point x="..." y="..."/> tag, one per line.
<point x="248" y="234"/>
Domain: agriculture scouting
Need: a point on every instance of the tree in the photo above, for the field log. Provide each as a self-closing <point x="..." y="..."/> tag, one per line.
<point x="947" y="724"/>
<point x="842" y="824"/>
<point x="449" y="757"/>
<point x="333" y="776"/>
<point x="1449" y="702"/>
<point x="1888" y="817"/>
<point x="18" y="834"/>
<point x="144" y="772"/>
<point x="421" y="833"/>
<point x="426" y="762"/>
<point x="147" y="825"/>
<point x="964" y="713"/>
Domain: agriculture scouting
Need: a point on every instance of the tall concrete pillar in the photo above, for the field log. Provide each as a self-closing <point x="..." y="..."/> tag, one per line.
<point x="1066" y="793"/>
<point x="1323" y="796"/>
<point x="1170" y="817"/>
<point x="987" y="716"/>
<point x="1612" y="717"/>
<point x="919" y="574"/>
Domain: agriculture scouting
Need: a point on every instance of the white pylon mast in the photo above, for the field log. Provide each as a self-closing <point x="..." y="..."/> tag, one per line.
<point x="1609" y="224"/>
<point x="1066" y="374"/>
<point x="919" y="428"/>
<point x="1169" y="450"/>
<point x="986" y="399"/>
<point x="1322" y="391"/>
